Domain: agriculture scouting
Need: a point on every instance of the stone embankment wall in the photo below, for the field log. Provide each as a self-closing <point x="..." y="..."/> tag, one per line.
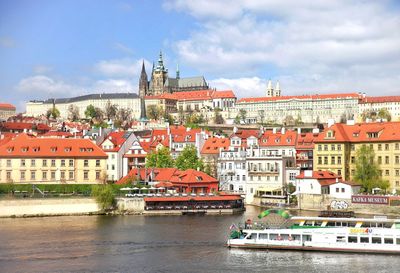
<point x="322" y="202"/>
<point x="47" y="207"/>
<point x="131" y="205"/>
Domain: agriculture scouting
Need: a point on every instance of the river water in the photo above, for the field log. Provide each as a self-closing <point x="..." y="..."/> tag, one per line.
<point x="156" y="244"/>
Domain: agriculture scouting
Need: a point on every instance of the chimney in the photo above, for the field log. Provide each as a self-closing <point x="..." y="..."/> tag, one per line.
<point x="308" y="173"/>
<point x="331" y="121"/>
<point x="315" y="131"/>
<point x="350" y="122"/>
<point x="299" y="130"/>
<point x="337" y="179"/>
<point x="274" y="130"/>
<point x="283" y="130"/>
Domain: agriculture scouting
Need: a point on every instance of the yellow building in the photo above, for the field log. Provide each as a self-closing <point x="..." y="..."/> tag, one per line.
<point x="335" y="149"/>
<point x="51" y="160"/>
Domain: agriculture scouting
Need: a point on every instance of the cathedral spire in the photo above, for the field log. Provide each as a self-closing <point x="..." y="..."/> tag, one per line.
<point x="143" y="82"/>
<point x="177" y="72"/>
<point x="160" y="65"/>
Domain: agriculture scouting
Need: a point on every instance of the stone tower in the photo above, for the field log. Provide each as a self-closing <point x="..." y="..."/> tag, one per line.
<point x="159" y="76"/>
<point x="143" y="83"/>
<point x="277" y="91"/>
<point x="270" y="90"/>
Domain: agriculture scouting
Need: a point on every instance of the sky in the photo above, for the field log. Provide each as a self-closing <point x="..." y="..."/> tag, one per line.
<point x="63" y="48"/>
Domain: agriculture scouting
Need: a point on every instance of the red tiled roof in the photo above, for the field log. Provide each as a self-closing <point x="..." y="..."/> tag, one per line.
<point x="319" y="175"/>
<point x="192" y="176"/>
<point x="382" y="99"/>
<point x="25" y="146"/>
<point x="7" y="106"/>
<point x="361" y="132"/>
<point x="306" y="140"/>
<point x="116" y="138"/>
<point x="25" y="125"/>
<point x="213" y="145"/>
<point x="197" y="95"/>
<point x="268" y="138"/>
<point x="57" y="134"/>
<point x="304" y="97"/>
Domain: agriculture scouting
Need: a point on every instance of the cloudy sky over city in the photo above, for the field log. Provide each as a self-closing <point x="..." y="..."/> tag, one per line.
<point x="52" y="49"/>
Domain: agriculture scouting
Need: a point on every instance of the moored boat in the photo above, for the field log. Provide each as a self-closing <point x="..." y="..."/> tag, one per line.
<point x="321" y="234"/>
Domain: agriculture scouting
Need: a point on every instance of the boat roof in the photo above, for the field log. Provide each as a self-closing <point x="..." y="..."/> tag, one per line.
<point x="343" y="219"/>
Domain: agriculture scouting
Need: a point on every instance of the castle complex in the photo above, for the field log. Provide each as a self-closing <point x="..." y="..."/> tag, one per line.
<point x="161" y="83"/>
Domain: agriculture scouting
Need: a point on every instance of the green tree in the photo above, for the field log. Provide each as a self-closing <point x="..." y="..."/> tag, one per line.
<point x="154" y="112"/>
<point x="367" y="170"/>
<point x="110" y="110"/>
<point x="261" y="115"/>
<point x="160" y="159"/>
<point x="188" y="159"/>
<point x="383" y="113"/>
<point x="73" y="112"/>
<point x="53" y="112"/>
<point x="243" y="115"/>
<point x="218" y="119"/>
<point x="94" y="113"/>
<point x="104" y="196"/>
<point x="169" y="118"/>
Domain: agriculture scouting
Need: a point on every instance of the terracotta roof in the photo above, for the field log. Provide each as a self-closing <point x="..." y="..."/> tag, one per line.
<point x="304" y="97"/>
<point x="361" y="132"/>
<point x="268" y="138"/>
<point x="319" y="175"/>
<point x="191" y="176"/>
<point x="57" y="134"/>
<point x="7" y="106"/>
<point x="213" y="145"/>
<point x="116" y="138"/>
<point x="25" y="126"/>
<point x="202" y="95"/>
<point x="25" y="146"/>
<point x="382" y="99"/>
<point x="306" y="140"/>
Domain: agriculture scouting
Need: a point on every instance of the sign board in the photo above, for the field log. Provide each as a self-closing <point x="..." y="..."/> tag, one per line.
<point x="370" y="199"/>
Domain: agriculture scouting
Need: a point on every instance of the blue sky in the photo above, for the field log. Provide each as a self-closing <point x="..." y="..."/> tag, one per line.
<point x="65" y="48"/>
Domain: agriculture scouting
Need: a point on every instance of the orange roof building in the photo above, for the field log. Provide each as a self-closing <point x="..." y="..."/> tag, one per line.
<point x="6" y="110"/>
<point x="27" y="159"/>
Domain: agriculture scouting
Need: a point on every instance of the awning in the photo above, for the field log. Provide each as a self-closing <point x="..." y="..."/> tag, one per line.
<point x="269" y="189"/>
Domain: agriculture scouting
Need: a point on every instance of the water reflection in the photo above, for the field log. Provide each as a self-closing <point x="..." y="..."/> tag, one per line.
<point x="156" y="244"/>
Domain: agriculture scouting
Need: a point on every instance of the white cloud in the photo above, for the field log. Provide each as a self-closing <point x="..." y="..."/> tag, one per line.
<point x="45" y="85"/>
<point x="243" y="87"/>
<point x="42" y="69"/>
<point x="120" y="68"/>
<point x="114" y="86"/>
<point x="313" y="44"/>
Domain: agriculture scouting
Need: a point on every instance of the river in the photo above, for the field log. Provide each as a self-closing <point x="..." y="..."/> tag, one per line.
<point x="156" y="244"/>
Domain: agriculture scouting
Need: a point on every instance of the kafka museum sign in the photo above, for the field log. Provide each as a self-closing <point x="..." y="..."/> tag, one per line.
<point x="370" y="199"/>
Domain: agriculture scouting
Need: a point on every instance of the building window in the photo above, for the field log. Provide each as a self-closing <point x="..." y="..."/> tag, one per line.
<point x="397" y="172"/>
<point x="243" y="177"/>
<point x="62" y="162"/>
<point x="386" y="147"/>
<point x="353" y="172"/>
<point x="337" y="189"/>
<point x="22" y="175"/>
<point x="353" y="159"/>
<point x="352" y="147"/>
<point x="333" y="147"/>
<point x="23" y="164"/>
<point x="8" y="176"/>
<point x="339" y="172"/>
<point x="53" y="175"/>
<point x="113" y="167"/>
<point x="53" y="162"/>
<point x="44" y="163"/>
<point x="333" y="160"/>
<point x="319" y="147"/>
<point x="86" y="163"/>
<point x="62" y="175"/>
<point x="8" y="163"/>
<point x="97" y="163"/>
<point x="320" y="160"/>
<point x="397" y="146"/>
<point x="397" y="159"/>
<point x="97" y="175"/>
<point x="325" y="160"/>
<point x="71" y="175"/>
<point x="379" y="147"/>
<point x="342" y="189"/>
<point x="339" y="160"/>
<point x="325" y="147"/>
<point x="71" y="162"/>
<point x="387" y="172"/>
<point x="386" y="159"/>
<point x="237" y="177"/>
<point x="339" y="147"/>
<point x="379" y="160"/>
<point x="33" y="175"/>
<point x="33" y="162"/>
<point x="85" y="175"/>
<point x="44" y="175"/>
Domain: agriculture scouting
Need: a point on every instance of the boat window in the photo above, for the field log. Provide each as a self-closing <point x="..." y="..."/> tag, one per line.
<point x="330" y="224"/>
<point x="285" y="237"/>
<point x="252" y="236"/>
<point x="376" y="240"/>
<point x="309" y="223"/>
<point x="273" y="236"/>
<point x="397" y="241"/>
<point x="352" y="239"/>
<point x="306" y="238"/>
<point x="318" y="223"/>
<point x="364" y="239"/>
<point x="263" y="236"/>
<point x="352" y="224"/>
<point x="296" y="237"/>
<point x="388" y="241"/>
<point x="341" y="239"/>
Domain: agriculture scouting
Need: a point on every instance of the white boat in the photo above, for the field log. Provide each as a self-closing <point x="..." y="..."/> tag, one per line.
<point x="322" y="234"/>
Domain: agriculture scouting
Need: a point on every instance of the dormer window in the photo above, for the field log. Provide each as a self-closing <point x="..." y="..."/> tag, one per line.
<point x="199" y="178"/>
<point x="53" y="149"/>
<point x="67" y="149"/>
<point x="330" y="134"/>
<point x="373" y="135"/>
<point x="288" y="140"/>
<point x="24" y="149"/>
<point x="10" y="149"/>
<point x="89" y="149"/>
<point x="36" y="149"/>
<point x="82" y="149"/>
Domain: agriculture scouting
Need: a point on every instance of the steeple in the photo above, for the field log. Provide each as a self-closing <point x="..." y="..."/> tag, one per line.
<point x="143" y="82"/>
<point x="160" y="65"/>
<point x="277" y="90"/>
<point x="270" y="90"/>
<point x="177" y="72"/>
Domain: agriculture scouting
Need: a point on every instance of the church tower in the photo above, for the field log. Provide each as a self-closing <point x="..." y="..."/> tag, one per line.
<point x="159" y="76"/>
<point x="143" y="83"/>
<point x="270" y="90"/>
<point x="277" y="91"/>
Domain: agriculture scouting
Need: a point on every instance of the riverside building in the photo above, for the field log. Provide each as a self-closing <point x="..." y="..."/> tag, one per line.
<point x="24" y="159"/>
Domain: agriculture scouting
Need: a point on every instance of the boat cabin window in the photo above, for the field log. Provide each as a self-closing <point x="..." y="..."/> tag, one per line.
<point x="388" y="241"/>
<point x="376" y="240"/>
<point x="285" y="237"/>
<point x="251" y="236"/>
<point x="306" y="238"/>
<point x="398" y="241"/>
<point x="296" y="237"/>
<point x="263" y="236"/>
<point x="364" y="239"/>
<point x="308" y="223"/>
<point x="273" y="236"/>
<point x="341" y="239"/>
<point x="352" y="239"/>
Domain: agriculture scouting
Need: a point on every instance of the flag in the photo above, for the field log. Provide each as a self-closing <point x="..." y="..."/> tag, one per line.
<point x="233" y="226"/>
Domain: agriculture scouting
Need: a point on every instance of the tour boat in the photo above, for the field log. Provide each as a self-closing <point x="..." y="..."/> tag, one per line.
<point x="378" y="235"/>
